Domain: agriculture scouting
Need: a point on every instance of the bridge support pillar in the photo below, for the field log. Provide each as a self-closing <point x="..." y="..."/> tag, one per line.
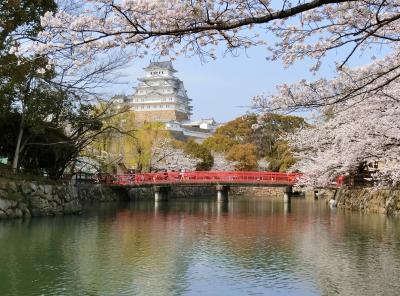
<point x="161" y="193"/>
<point x="287" y="194"/>
<point x="222" y="193"/>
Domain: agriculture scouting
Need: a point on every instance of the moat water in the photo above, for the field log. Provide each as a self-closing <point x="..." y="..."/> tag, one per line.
<point x="199" y="247"/>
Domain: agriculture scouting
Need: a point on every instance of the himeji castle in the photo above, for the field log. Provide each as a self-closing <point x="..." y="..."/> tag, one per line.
<point x="160" y="95"/>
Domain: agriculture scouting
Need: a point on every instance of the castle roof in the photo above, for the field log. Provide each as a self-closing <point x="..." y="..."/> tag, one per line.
<point x="167" y="65"/>
<point x="199" y="122"/>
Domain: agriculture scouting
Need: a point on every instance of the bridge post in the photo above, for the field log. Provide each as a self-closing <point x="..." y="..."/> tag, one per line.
<point x="161" y="193"/>
<point x="287" y="194"/>
<point x="222" y="193"/>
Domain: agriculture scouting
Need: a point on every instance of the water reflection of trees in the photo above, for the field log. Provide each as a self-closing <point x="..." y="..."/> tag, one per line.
<point x="170" y="248"/>
<point x="352" y="254"/>
<point x="31" y="255"/>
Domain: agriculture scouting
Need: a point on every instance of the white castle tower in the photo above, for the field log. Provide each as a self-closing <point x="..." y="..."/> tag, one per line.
<point x="161" y="96"/>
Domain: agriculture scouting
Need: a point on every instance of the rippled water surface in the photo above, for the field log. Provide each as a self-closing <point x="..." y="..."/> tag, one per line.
<point x="246" y="247"/>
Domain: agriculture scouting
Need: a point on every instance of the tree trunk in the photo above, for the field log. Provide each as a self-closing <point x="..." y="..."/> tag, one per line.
<point x="21" y="125"/>
<point x="18" y="146"/>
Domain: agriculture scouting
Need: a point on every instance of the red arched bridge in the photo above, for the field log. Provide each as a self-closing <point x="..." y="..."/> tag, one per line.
<point x="202" y="178"/>
<point x="163" y="181"/>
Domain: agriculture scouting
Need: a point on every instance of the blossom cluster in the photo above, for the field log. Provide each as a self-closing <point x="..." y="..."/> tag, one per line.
<point x="138" y="27"/>
<point x="357" y="131"/>
<point x="164" y="156"/>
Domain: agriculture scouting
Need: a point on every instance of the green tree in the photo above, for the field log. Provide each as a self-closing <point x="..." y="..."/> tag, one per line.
<point x="219" y="142"/>
<point x="237" y="131"/>
<point x="47" y="150"/>
<point x="200" y="151"/>
<point x="19" y="20"/>
<point x="21" y="79"/>
<point x="265" y="133"/>
<point x="146" y="139"/>
<point x="282" y="158"/>
<point x="271" y="128"/>
<point x="115" y="144"/>
<point x="46" y="114"/>
<point x="245" y="155"/>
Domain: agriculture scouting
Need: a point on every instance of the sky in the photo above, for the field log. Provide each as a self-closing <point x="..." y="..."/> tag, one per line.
<point x="223" y="88"/>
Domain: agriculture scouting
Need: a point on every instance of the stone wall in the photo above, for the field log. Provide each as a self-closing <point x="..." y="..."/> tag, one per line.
<point x="20" y="199"/>
<point x="26" y="199"/>
<point x="175" y="192"/>
<point x="208" y="191"/>
<point x="370" y="200"/>
<point x="270" y="192"/>
<point x="98" y="193"/>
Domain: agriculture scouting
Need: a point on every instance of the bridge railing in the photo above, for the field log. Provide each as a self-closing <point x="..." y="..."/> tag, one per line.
<point x="200" y="177"/>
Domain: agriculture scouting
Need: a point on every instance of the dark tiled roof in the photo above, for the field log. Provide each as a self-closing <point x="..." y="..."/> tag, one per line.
<point x="162" y="65"/>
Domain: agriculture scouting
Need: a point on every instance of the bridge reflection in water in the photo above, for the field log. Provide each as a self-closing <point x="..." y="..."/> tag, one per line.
<point x="199" y="247"/>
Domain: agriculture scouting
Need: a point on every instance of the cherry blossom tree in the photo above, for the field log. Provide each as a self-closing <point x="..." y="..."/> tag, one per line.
<point x="263" y="164"/>
<point x="300" y="29"/>
<point x="361" y="102"/>
<point x="164" y="156"/>
<point x="303" y="28"/>
<point x="221" y="163"/>
<point x="359" y="131"/>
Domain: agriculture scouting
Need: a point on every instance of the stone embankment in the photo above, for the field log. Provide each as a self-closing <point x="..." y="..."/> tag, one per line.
<point x="370" y="200"/>
<point x="208" y="192"/>
<point x="248" y="191"/>
<point x="20" y="199"/>
<point x="175" y="192"/>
